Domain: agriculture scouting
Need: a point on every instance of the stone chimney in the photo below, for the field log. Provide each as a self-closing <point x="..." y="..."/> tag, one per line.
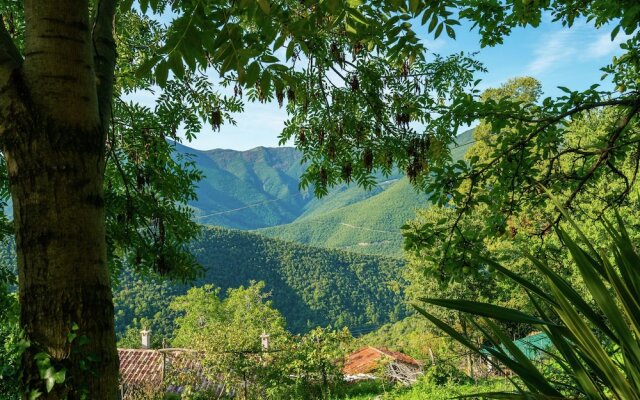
<point x="265" y="341"/>
<point x="146" y="338"/>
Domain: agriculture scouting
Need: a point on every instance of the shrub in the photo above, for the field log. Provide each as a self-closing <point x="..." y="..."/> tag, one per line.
<point x="596" y="346"/>
<point x="442" y="373"/>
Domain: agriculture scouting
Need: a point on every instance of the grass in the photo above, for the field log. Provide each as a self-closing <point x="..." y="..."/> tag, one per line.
<point x="424" y="390"/>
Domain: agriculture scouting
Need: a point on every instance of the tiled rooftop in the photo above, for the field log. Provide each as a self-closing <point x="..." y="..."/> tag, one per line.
<point x="140" y="366"/>
<point x="368" y="359"/>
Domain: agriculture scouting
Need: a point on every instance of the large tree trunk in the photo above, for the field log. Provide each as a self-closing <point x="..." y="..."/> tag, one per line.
<point x="59" y="216"/>
<point x="52" y="131"/>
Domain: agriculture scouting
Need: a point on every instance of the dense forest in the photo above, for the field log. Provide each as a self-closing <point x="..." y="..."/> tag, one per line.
<point x="309" y="286"/>
<point x="260" y="188"/>
<point x="364" y="227"/>
<point x="528" y="227"/>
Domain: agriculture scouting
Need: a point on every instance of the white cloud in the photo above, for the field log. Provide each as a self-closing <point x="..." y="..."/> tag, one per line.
<point x="604" y="46"/>
<point x="552" y="50"/>
<point x="581" y="43"/>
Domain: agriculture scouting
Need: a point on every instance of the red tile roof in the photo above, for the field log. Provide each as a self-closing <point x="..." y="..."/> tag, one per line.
<point x="368" y="359"/>
<point x="140" y="366"/>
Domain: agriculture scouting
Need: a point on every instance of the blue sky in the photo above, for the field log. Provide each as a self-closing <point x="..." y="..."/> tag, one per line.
<point x="555" y="55"/>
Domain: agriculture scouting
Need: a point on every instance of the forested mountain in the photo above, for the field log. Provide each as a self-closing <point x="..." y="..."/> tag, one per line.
<point x="370" y="226"/>
<point x="309" y="286"/>
<point x="259" y="188"/>
<point x="248" y="189"/>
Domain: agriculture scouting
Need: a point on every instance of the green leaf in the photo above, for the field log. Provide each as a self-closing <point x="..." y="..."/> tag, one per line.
<point x="265" y="6"/>
<point x="125" y="5"/>
<point x="60" y="376"/>
<point x="414" y="5"/>
<point x="269" y="58"/>
<point x="162" y="72"/>
<point x="253" y="72"/>
<point x="517" y="278"/>
<point x="451" y="32"/>
<point x="525" y="367"/>
<point x="438" y="31"/>
<point x="175" y="63"/>
<point x="49" y="383"/>
<point x="487" y="310"/>
<point x="614" y="32"/>
<point x="570" y="294"/>
<point x="290" y="49"/>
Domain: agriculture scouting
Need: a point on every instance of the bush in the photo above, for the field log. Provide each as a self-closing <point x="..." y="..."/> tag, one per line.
<point x="596" y="346"/>
<point x="442" y="373"/>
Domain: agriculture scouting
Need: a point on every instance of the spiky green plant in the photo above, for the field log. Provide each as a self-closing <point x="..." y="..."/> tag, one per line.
<point x="595" y="343"/>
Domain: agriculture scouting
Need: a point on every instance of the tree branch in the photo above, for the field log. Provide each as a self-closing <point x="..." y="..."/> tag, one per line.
<point x="10" y="98"/>
<point x="10" y="57"/>
<point x="104" y="48"/>
<point x="621" y="124"/>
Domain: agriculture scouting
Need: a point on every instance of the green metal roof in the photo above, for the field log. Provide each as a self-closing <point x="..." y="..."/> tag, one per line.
<point x="532" y="346"/>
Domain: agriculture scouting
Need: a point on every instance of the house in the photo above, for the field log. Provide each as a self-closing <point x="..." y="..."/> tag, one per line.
<point x="534" y="346"/>
<point x="372" y="362"/>
<point x="146" y="371"/>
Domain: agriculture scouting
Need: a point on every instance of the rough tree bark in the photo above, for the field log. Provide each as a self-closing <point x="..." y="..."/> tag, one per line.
<point x="54" y="112"/>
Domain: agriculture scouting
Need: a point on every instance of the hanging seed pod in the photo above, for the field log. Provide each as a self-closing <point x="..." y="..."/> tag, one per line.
<point x="359" y="135"/>
<point x="355" y="83"/>
<point x="346" y="172"/>
<point x="323" y="177"/>
<point x="367" y="159"/>
<point x="417" y="88"/>
<point x="413" y="148"/>
<point x="378" y="131"/>
<point x="302" y="139"/>
<point x="138" y="259"/>
<point x="337" y="54"/>
<point x="335" y="51"/>
<point x="320" y="136"/>
<point x="331" y="149"/>
<point x="419" y="164"/>
<point x="357" y="48"/>
<point x="129" y="210"/>
<point x="280" y="96"/>
<point x="174" y="133"/>
<point x="388" y="161"/>
<point x="237" y="91"/>
<point x="403" y="119"/>
<point x="291" y="96"/>
<point x="513" y="231"/>
<point x="405" y="69"/>
<point x="216" y="119"/>
<point x="140" y="181"/>
<point x="411" y="173"/>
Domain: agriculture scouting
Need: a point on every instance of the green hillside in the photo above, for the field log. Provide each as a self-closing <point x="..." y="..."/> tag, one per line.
<point x="259" y="188"/>
<point x="310" y="286"/>
<point x="369" y="226"/>
<point x="248" y="189"/>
